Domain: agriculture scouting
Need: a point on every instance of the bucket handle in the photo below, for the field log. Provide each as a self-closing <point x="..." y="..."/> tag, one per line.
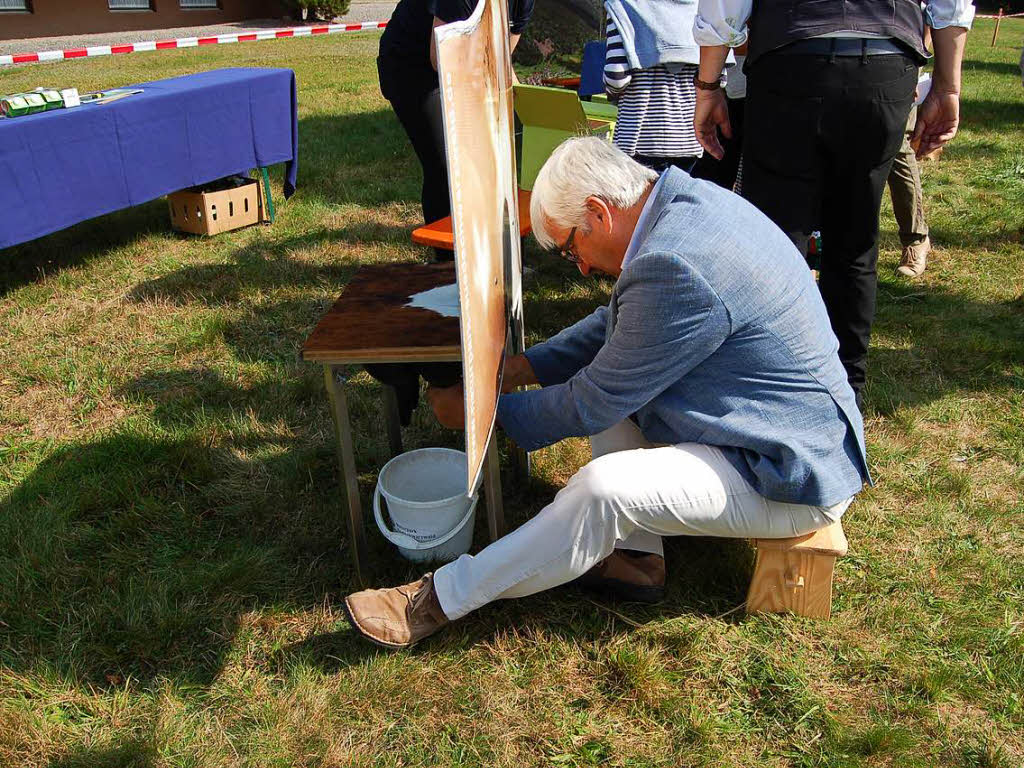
<point x="408" y="542"/>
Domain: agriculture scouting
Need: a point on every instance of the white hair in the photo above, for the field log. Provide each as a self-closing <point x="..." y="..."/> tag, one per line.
<point x="579" y="168"/>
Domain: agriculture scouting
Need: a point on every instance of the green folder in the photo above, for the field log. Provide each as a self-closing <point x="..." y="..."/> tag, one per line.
<point x="549" y="117"/>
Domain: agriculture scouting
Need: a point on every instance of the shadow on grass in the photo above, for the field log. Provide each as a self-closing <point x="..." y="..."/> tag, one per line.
<point x="134" y="754"/>
<point x="80" y="244"/>
<point x="995" y="67"/>
<point x="363" y="158"/>
<point x="133" y="557"/>
<point x="957" y="345"/>
<point x="266" y="266"/>
<point x="992" y="115"/>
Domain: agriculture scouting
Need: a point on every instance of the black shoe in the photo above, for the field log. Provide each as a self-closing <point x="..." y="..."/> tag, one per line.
<point x="628" y="575"/>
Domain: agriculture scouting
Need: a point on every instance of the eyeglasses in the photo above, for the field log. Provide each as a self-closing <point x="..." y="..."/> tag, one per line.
<point x="566" y="250"/>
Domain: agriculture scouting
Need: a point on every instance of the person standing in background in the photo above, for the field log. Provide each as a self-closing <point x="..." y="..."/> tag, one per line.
<point x="829" y="89"/>
<point x="651" y="58"/>
<point x="407" y="67"/>
<point x="908" y="200"/>
<point x="728" y="171"/>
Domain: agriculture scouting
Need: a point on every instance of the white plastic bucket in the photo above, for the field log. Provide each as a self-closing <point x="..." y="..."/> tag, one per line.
<point x="426" y="498"/>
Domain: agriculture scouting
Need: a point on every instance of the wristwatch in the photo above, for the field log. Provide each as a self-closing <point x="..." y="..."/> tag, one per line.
<point x="706" y="86"/>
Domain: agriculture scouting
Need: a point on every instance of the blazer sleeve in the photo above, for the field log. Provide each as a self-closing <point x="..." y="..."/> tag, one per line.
<point x="560" y="357"/>
<point x="669" y="320"/>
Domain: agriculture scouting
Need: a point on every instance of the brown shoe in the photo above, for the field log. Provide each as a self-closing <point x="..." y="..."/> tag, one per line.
<point x="629" y="575"/>
<point x="915" y="258"/>
<point x="397" y="617"/>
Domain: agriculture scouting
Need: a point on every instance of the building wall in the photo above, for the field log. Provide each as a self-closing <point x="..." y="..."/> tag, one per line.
<point x="50" y="18"/>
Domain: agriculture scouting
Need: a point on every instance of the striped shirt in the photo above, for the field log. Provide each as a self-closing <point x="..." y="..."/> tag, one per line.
<point x="655" y="105"/>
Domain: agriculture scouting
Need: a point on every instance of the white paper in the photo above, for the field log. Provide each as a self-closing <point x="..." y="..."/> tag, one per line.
<point x="924" y="84"/>
<point x="70" y="96"/>
<point x="444" y="300"/>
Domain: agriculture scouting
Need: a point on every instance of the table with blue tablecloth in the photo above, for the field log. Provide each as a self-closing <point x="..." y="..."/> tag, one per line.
<point x="62" y="167"/>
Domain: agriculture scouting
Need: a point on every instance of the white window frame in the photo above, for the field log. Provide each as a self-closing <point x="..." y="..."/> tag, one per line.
<point x="199" y="5"/>
<point x="129" y="5"/>
<point x="15" y="6"/>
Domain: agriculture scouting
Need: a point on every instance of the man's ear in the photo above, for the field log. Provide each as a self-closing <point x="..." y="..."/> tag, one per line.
<point x="600" y="213"/>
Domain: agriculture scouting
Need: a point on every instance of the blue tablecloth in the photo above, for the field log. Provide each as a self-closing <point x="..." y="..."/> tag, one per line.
<point x="58" y="168"/>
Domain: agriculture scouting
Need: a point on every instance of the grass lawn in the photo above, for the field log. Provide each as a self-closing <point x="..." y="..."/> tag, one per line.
<point x="173" y="555"/>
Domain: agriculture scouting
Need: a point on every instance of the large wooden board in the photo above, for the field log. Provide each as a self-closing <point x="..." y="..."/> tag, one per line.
<point x="475" y="70"/>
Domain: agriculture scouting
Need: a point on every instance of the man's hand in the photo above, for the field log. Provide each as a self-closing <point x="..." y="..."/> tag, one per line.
<point x="447" y="403"/>
<point x="710" y="116"/>
<point x="939" y="113"/>
<point x="517" y="373"/>
<point x="937" y="121"/>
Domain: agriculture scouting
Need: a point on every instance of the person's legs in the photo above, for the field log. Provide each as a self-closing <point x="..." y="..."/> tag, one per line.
<point x="862" y="127"/>
<point x="683" y="490"/>
<point x="781" y="157"/>
<point x="907" y="199"/>
<point x="626" y="436"/>
<point x="419" y="112"/>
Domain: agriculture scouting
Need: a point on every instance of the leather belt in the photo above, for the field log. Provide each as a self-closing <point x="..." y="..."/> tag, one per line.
<point x="843" y="46"/>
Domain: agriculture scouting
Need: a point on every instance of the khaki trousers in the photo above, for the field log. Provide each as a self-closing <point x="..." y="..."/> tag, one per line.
<point x="905" y="188"/>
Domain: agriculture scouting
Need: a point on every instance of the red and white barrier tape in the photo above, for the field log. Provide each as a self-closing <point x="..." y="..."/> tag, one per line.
<point x="188" y="42"/>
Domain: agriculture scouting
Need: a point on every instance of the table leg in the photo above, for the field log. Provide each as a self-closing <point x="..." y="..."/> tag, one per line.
<point x="335" y="379"/>
<point x="516" y="346"/>
<point x="492" y="488"/>
<point x="391" y="417"/>
<point x="266" y="191"/>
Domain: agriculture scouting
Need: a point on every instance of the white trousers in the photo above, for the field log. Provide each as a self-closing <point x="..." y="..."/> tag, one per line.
<point x="628" y="496"/>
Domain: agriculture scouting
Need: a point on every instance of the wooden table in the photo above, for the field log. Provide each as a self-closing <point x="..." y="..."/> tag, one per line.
<point x="371" y="323"/>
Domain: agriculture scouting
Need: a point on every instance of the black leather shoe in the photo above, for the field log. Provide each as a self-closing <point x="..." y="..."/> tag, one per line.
<point x="628" y="575"/>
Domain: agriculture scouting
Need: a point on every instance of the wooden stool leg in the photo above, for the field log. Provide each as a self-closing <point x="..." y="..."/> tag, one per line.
<point x="492" y="488"/>
<point x="334" y="379"/>
<point x="792" y="581"/>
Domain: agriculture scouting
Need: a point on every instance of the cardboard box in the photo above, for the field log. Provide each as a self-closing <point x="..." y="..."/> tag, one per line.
<point x="212" y="212"/>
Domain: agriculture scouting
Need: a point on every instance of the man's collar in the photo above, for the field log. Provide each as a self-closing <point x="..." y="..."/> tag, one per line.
<point x="640" y="231"/>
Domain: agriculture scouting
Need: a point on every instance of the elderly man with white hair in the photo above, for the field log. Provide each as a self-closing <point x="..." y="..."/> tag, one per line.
<point x="710" y="386"/>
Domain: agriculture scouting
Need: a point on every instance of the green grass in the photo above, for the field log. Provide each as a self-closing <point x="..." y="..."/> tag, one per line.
<point x="172" y="547"/>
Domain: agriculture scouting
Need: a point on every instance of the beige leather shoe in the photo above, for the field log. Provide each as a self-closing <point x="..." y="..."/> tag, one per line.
<point x="637" y="576"/>
<point x="915" y="257"/>
<point x="397" y="617"/>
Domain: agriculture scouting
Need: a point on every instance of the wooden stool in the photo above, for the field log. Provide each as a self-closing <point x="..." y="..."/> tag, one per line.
<point x="795" y="575"/>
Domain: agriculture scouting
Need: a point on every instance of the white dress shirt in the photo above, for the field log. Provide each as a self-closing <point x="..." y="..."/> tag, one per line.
<point x="724" y="22"/>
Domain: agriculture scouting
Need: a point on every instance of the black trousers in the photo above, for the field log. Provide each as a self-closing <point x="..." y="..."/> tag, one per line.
<point x="819" y="137"/>
<point x="416" y="100"/>
<point x="660" y="164"/>
<point x="723" y="172"/>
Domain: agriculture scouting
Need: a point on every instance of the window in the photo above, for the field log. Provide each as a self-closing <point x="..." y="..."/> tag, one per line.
<point x="14" y="5"/>
<point x="199" y="3"/>
<point x="129" y="5"/>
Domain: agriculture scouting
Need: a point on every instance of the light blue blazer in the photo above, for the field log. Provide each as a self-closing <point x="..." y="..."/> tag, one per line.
<point x="715" y="334"/>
